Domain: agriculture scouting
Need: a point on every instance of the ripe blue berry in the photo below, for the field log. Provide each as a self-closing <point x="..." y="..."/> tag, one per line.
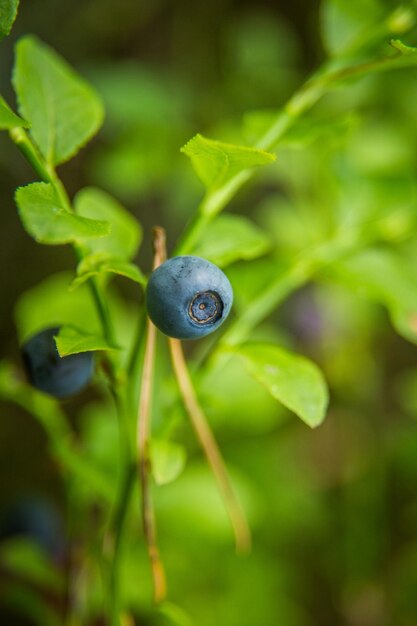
<point x="34" y="517"/>
<point x="47" y="371"/>
<point x="188" y="297"/>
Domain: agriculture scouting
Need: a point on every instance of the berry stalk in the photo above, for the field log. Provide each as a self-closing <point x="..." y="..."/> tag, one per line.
<point x="208" y="443"/>
<point x="143" y="436"/>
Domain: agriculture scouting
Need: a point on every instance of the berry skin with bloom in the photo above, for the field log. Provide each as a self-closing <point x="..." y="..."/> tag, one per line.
<point x="188" y="297"/>
<point x="58" y="376"/>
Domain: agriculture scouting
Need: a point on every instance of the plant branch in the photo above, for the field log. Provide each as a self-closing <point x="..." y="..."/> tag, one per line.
<point x="302" y="101"/>
<point x="214" y="202"/>
<point x="210" y="447"/>
<point x="143" y="435"/>
<point x="22" y="141"/>
<point x="103" y="310"/>
<point x="113" y="539"/>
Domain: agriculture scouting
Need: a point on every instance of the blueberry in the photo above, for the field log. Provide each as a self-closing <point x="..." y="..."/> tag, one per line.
<point x="188" y="297"/>
<point x="36" y="518"/>
<point x="47" y="371"/>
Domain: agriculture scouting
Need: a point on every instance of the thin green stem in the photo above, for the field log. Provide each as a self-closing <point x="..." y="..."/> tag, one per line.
<point x="22" y="141"/>
<point x="103" y="311"/>
<point x="193" y="232"/>
<point x="45" y="171"/>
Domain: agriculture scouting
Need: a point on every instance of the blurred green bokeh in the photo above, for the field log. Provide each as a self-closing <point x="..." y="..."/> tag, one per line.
<point x="334" y="510"/>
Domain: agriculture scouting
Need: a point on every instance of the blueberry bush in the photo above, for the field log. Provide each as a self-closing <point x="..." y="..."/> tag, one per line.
<point x="317" y="258"/>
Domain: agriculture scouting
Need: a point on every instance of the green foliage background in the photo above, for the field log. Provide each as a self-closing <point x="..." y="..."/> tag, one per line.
<point x="333" y="510"/>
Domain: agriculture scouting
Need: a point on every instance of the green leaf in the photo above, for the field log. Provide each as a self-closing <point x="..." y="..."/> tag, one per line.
<point x="51" y="304"/>
<point x="9" y="119"/>
<point x="234" y="396"/>
<point x="63" y="109"/>
<point x="24" y="558"/>
<point x="384" y="277"/>
<point x="71" y="340"/>
<point x="47" y="221"/>
<point x="99" y="263"/>
<point x="126" y="232"/>
<point x="8" y="13"/>
<point x="231" y="238"/>
<point x="215" y="163"/>
<point x="168" y="460"/>
<point x="293" y="380"/>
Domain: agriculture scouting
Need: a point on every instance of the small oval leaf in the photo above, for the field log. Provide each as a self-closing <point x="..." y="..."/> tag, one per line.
<point x="168" y="460"/>
<point x="232" y="238"/>
<point x="292" y="379"/>
<point x="8" y="14"/>
<point x="99" y="264"/>
<point x="126" y="232"/>
<point x="47" y="221"/>
<point x="8" y="118"/>
<point x="215" y="162"/>
<point x="63" y="109"/>
<point x="71" y="340"/>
